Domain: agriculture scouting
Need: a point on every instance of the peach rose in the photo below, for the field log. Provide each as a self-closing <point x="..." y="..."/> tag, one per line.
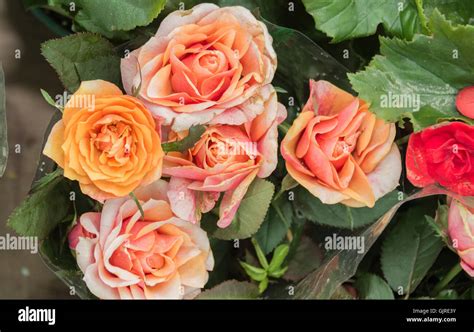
<point x="226" y="160"/>
<point x="340" y="151"/>
<point x="204" y="65"/>
<point x="125" y="256"/>
<point x="106" y="141"/>
<point x="461" y="232"/>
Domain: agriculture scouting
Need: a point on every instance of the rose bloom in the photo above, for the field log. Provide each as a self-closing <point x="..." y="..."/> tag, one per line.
<point x="125" y="256"/>
<point x="106" y="141"/>
<point x="461" y="232"/>
<point x="226" y="160"/>
<point x="339" y="151"/>
<point x="204" y="65"/>
<point x="443" y="154"/>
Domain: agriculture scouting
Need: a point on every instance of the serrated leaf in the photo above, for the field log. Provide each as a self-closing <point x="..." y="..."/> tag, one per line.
<point x="276" y="224"/>
<point x="456" y="11"/>
<point x="3" y="125"/>
<point x="409" y="250"/>
<point x="119" y="15"/>
<point x="348" y="19"/>
<point x="231" y="290"/>
<point x="339" y="215"/>
<point x="372" y="287"/>
<point x="81" y="57"/>
<point x="195" y="133"/>
<point x="251" y="212"/>
<point x="43" y="209"/>
<point x="419" y="79"/>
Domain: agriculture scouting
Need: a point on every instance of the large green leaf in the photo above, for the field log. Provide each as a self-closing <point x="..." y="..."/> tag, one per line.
<point x="231" y="290"/>
<point x="348" y="19"/>
<point x="372" y="287"/>
<point x="428" y="70"/>
<point x="457" y="11"/>
<point x="82" y="57"/>
<point x="339" y="215"/>
<point x="119" y="15"/>
<point x="46" y="207"/>
<point x="409" y="250"/>
<point x="3" y="125"/>
<point x="251" y="212"/>
<point x="299" y="60"/>
<point x="276" y="224"/>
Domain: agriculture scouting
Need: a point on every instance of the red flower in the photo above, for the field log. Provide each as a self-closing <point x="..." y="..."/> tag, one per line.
<point x="443" y="154"/>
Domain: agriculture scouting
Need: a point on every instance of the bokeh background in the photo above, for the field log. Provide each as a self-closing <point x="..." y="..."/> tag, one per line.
<point x="22" y="274"/>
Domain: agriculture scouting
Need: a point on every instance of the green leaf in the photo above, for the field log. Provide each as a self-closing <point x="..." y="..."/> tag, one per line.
<point x="306" y="259"/>
<point x="448" y="294"/>
<point x="262" y="286"/>
<point x="339" y="215"/>
<point x="3" y="125"/>
<point x="372" y="287"/>
<point x="260" y="255"/>
<point x="290" y="44"/>
<point x="276" y="224"/>
<point x="457" y="11"/>
<point x="119" y="15"/>
<point x="278" y="258"/>
<point x="46" y="207"/>
<point x="82" y="57"/>
<point x="419" y="79"/>
<point x="231" y="290"/>
<point x="255" y="273"/>
<point x="348" y="19"/>
<point x="195" y="133"/>
<point x="409" y="250"/>
<point x="251" y="212"/>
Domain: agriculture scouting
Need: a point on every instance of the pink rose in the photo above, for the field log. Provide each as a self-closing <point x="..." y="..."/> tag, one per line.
<point x="124" y="256"/>
<point x="204" y="65"/>
<point x="461" y="232"/>
<point x="226" y="160"/>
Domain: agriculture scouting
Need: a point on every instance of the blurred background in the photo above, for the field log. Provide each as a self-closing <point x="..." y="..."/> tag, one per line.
<point x="22" y="274"/>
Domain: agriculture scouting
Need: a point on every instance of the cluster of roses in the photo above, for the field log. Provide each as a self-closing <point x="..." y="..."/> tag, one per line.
<point x="214" y="67"/>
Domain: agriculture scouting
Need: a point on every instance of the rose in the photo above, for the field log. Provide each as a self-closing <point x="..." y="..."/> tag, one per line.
<point x="226" y="159"/>
<point x="340" y="151"/>
<point x="123" y="255"/>
<point x="465" y="102"/>
<point x="461" y="232"/>
<point x="204" y="65"/>
<point x="443" y="154"/>
<point x="106" y="141"/>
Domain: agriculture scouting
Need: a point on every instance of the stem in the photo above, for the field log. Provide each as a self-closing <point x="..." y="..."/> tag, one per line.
<point x="284" y="127"/>
<point x="447" y="279"/>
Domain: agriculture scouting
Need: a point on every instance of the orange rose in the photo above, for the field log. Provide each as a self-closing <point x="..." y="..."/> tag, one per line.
<point x="206" y="65"/>
<point x="340" y="151"/>
<point x="106" y="141"/>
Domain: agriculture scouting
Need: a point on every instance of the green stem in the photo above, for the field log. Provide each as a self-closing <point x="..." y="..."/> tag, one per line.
<point x="284" y="127"/>
<point x="447" y="279"/>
